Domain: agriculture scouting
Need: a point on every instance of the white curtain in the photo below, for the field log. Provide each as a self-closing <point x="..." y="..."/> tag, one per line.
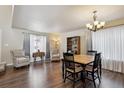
<point x="110" y="42"/>
<point x="37" y="43"/>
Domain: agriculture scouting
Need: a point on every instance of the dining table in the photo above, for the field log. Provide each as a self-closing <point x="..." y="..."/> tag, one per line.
<point x="83" y="60"/>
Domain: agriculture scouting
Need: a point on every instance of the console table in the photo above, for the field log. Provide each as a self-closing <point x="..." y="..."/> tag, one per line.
<point x="38" y="54"/>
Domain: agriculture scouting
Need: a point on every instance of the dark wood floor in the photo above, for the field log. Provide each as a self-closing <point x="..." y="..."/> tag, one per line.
<point x="49" y="75"/>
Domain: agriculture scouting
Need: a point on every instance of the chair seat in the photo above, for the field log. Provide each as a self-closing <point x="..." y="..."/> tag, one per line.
<point x="22" y="60"/>
<point x="90" y="68"/>
<point x="91" y="64"/>
<point x="77" y="69"/>
<point x="77" y="65"/>
<point x="55" y="55"/>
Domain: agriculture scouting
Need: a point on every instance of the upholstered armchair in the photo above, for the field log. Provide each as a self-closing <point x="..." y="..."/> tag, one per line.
<point x="19" y="58"/>
<point x="55" y="56"/>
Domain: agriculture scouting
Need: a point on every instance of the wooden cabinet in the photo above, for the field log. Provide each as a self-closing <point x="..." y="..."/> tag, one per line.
<point x="73" y="44"/>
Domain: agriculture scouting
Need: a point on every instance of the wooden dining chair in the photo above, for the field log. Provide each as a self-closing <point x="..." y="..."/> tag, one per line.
<point x="94" y="69"/>
<point x="100" y="66"/>
<point x="71" y="70"/>
<point x="93" y="52"/>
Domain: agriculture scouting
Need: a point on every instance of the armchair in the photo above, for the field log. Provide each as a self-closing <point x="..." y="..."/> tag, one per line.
<point x="19" y="58"/>
<point x="55" y="56"/>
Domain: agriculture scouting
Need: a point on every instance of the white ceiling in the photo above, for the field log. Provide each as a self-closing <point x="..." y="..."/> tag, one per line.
<point x="60" y="18"/>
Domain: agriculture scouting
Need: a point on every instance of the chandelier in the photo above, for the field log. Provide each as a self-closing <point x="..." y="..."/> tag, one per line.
<point x="96" y="25"/>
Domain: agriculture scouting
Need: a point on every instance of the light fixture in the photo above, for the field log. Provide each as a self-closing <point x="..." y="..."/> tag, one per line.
<point x="96" y="25"/>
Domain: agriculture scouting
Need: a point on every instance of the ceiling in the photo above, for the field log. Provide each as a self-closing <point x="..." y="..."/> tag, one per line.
<point x="61" y="18"/>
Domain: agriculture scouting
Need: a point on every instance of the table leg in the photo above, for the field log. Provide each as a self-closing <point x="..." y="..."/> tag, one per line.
<point x="83" y="75"/>
<point x="63" y="70"/>
<point x="100" y="69"/>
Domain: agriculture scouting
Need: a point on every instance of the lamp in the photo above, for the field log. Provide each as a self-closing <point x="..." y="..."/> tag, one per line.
<point x="96" y="25"/>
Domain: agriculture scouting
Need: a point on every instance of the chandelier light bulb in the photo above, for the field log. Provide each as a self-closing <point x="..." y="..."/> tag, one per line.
<point x="96" y="23"/>
<point x="102" y="23"/>
<point x="98" y="26"/>
<point x="91" y="26"/>
<point x="88" y="25"/>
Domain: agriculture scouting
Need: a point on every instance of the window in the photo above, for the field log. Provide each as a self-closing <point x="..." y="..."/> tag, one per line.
<point x="37" y="43"/>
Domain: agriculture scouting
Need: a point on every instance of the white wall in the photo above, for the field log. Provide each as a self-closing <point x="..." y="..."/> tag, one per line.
<point x="5" y="25"/>
<point x="5" y="14"/>
<point x="84" y="40"/>
<point x="0" y="43"/>
<point x="12" y="39"/>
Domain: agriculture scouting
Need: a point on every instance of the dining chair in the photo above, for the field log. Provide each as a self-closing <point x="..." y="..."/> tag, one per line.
<point x="94" y="69"/>
<point x="100" y="66"/>
<point x="71" y="70"/>
<point x="93" y="52"/>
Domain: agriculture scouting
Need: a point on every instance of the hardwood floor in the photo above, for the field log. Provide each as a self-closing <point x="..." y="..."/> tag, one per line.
<point x="49" y="75"/>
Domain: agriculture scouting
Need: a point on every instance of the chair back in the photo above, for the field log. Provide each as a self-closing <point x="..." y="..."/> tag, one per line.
<point x="18" y="53"/>
<point x="69" y="60"/>
<point x="96" y="61"/>
<point x="91" y="52"/>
